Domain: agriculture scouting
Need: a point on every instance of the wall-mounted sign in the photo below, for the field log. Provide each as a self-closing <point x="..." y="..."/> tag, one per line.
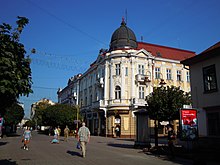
<point x="188" y="124"/>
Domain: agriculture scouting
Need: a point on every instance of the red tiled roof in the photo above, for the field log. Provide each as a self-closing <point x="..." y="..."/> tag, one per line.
<point x="166" y="52"/>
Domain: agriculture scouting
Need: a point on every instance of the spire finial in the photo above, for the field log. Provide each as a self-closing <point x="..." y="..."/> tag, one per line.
<point x="123" y="21"/>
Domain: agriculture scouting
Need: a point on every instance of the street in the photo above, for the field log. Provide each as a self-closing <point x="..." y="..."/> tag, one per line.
<point x="100" y="150"/>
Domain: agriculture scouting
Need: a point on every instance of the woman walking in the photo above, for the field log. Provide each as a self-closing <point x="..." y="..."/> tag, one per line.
<point x="26" y="138"/>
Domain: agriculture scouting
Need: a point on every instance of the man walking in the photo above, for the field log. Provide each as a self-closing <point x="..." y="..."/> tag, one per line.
<point x="66" y="133"/>
<point x="83" y="138"/>
<point x="171" y="137"/>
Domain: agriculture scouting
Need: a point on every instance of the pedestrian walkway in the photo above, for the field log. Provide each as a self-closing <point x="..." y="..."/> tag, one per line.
<point x="101" y="150"/>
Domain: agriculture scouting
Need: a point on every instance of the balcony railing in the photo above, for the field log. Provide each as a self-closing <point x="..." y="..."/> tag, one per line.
<point x="139" y="102"/>
<point x="142" y="79"/>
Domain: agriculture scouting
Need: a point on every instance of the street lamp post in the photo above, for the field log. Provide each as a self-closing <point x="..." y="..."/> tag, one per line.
<point x="77" y="117"/>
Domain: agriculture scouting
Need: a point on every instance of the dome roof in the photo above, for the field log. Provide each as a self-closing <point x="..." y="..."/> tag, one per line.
<point x="123" y="37"/>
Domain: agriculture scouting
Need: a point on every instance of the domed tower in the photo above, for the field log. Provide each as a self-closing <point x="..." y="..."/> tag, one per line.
<point x="123" y="38"/>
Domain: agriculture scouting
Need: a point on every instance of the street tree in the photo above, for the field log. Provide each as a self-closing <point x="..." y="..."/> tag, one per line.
<point x="163" y="104"/>
<point x="39" y="112"/>
<point x="13" y="115"/>
<point x="15" y="74"/>
<point x="60" y="114"/>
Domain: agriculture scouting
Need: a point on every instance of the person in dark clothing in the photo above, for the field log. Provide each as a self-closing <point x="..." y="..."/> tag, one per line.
<point x="171" y="137"/>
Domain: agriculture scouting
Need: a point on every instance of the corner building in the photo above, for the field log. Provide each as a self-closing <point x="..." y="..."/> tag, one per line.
<point x="117" y="83"/>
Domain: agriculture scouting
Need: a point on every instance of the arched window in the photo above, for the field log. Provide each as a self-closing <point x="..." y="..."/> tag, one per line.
<point x="117" y="92"/>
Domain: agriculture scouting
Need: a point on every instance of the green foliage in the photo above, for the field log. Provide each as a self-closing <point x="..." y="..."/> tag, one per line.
<point x="164" y="103"/>
<point x="29" y="123"/>
<point x="15" y="75"/>
<point x="59" y="114"/>
<point x="39" y="112"/>
<point x="14" y="114"/>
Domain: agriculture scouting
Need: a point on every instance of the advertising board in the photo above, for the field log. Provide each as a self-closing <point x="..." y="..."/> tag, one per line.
<point x="188" y="124"/>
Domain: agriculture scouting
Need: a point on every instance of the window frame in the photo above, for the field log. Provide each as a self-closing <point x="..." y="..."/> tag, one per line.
<point x="187" y="76"/>
<point x="157" y="72"/>
<point x="141" y="69"/>
<point x="117" y="92"/>
<point x="126" y="71"/>
<point x="169" y="74"/>
<point x="178" y="75"/>
<point x="141" y="92"/>
<point x="210" y="85"/>
<point x="117" y="69"/>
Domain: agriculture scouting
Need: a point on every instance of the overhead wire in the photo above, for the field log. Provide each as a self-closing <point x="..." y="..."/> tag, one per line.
<point x="66" y="23"/>
<point x="59" y="62"/>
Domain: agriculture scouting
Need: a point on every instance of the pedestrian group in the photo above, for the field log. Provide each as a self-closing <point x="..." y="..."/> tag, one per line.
<point x="83" y="137"/>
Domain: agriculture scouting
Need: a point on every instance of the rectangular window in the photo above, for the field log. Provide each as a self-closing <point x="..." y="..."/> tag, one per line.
<point x="157" y="73"/>
<point x="187" y="76"/>
<point x="209" y="79"/>
<point x="85" y="101"/>
<point x="126" y="71"/>
<point x="96" y="95"/>
<point x="91" y="80"/>
<point x="213" y="123"/>
<point x="178" y="77"/>
<point x="90" y="101"/>
<point x="117" y="69"/>
<point x="169" y="77"/>
<point x="141" y="92"/>
<point x="117" y="92"/>
<point x="103" y="72"/>
<point x="141" y="69"/>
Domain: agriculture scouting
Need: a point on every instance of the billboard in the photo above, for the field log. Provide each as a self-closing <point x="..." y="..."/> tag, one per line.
<point x="188" y="124"/>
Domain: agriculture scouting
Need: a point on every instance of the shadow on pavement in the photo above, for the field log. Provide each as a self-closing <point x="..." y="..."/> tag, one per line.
<point x="7" y="161"/>
<point x="121" y="145"/>
<point x="132" y="140"/>
<point x="12" y="135"/>
<point x="3" y="143"/>
<point x="73" y="153"/>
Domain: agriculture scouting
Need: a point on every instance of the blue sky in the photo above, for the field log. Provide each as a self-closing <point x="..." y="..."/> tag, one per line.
<point x="68" y="34"/>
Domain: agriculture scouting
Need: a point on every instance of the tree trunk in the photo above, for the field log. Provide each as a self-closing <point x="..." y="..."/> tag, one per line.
<point x="156" y="133"/>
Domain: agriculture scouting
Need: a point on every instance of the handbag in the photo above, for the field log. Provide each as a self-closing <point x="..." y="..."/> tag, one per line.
<point x="78" y="146"/>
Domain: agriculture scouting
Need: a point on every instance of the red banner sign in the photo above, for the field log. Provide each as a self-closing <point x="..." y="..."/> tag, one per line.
<point x="188" y="124"/>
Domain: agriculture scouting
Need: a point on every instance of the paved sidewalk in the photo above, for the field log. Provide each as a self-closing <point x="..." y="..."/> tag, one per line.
<point x="101" y="150"/>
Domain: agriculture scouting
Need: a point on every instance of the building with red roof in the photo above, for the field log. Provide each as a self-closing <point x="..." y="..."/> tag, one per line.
<point x="118" y="81"/>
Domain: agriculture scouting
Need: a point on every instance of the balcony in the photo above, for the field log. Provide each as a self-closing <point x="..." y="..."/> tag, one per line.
<point x="142" y="79"/>
<point x="139" y="102"/>
<point x="98" y="104"/>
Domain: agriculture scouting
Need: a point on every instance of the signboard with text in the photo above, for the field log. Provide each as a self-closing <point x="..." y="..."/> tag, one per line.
<point x="188" y="124"/>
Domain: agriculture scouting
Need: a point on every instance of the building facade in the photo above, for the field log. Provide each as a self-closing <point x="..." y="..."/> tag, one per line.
<point x="205" y="83"/>
<point x="117" y="82"/>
